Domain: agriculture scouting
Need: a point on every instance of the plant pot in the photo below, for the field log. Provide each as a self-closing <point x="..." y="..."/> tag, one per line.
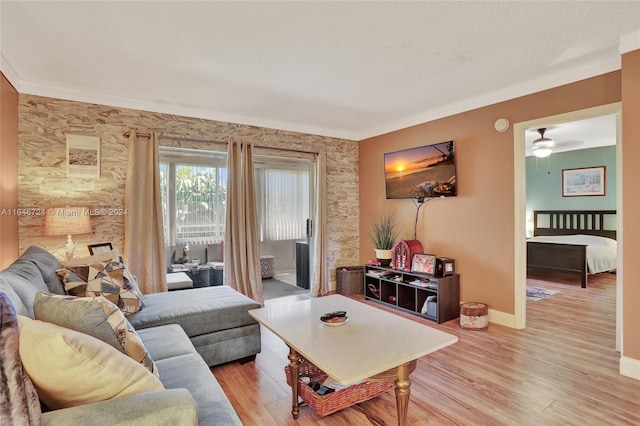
<point x="384" y="257"/>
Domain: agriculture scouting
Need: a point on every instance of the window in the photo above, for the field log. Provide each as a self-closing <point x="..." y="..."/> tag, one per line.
<point x="194" y="196"/>
<point x="282" y="191"/>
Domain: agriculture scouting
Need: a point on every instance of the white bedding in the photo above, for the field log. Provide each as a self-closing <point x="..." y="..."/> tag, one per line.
<point x="601" y="251"/>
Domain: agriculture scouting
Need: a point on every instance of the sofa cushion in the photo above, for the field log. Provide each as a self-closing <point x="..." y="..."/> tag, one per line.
<point x="166" y="341"/>
<point x="164" y="407"/>
<point x="47" y="264"/>
<point x="193" y="309"/>
<point x="190" y="371"/>
<point x="26" y="281"/>
<point x="181" y="366"/>
<point x="69" y="368"/>
<point x="97" y="317"/>
<point x="103" y="274"/>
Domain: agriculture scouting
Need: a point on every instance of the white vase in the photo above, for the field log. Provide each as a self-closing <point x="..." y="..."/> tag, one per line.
<point x="384" y="256"/>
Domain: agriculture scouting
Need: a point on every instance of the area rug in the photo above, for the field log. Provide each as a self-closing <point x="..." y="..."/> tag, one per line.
<point x="273" y="288"/>
<point x="539" y="293"/>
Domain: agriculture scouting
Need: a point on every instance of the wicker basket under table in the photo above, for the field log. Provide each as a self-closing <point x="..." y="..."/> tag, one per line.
<point x="330" y="403"/>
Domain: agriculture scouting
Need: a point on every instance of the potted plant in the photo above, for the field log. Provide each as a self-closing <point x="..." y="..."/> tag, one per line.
<point x="383" y="235"/>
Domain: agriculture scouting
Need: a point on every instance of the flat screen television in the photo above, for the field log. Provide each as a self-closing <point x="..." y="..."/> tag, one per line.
<point x="421" y="172"/>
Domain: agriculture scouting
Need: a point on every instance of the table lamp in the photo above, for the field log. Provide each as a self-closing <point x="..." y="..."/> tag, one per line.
<point x="67" y="221"/>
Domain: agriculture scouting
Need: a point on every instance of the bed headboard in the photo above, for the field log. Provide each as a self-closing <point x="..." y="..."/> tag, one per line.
<point x="569" y="222"/>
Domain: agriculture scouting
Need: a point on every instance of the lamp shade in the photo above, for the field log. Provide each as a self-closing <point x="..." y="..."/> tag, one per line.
<point x="67" y="221"/>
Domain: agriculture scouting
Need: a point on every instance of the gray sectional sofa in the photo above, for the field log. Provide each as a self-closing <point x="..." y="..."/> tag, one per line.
<point x="185" y="332"/>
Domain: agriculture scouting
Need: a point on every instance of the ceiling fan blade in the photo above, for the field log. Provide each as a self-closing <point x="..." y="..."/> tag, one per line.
<point x="568" y="145"/>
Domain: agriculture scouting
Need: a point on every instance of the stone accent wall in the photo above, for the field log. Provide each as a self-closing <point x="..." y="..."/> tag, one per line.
<point x="45" y="122"/>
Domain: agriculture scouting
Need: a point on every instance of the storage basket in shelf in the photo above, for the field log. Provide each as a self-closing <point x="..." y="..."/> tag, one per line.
<point x="327" y="404"/>
<point x="350" y="279"/>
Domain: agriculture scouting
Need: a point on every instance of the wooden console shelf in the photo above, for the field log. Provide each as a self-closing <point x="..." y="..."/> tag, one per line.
<point x="409" y="291"/>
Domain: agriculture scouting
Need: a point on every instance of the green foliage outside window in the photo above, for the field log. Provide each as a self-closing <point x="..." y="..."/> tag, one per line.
<point x="200" y="200"/>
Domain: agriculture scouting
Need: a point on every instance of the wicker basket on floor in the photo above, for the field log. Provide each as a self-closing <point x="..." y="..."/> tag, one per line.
<point x="324" y="405"/>
<point x="350" y="279"/>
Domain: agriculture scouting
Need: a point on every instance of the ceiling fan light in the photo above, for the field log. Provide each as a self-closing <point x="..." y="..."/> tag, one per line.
<point x="542" y="152"/>
<point x="543" y="143"/>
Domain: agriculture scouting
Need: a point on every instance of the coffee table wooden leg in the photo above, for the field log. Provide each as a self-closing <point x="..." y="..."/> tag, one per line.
<point x="294" y="368"/>
<point x="403" y="391"/>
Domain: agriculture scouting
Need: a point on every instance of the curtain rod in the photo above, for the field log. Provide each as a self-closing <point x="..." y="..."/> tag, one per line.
<point x="226" y="143"/>
<point x="138" y="135"/>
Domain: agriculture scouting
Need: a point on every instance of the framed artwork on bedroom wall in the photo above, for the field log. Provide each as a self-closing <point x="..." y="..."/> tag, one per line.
<point x="585" y="181"/>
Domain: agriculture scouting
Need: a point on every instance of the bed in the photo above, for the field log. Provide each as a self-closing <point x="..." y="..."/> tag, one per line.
<point x="577" y="241"/>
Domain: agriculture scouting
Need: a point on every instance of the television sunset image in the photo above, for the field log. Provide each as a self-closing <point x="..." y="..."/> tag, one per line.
<point x="426" y="171"/>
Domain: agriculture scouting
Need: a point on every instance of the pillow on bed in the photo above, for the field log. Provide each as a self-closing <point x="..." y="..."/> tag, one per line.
<point x="590" y="240"/>
<point x="595" y="240"/>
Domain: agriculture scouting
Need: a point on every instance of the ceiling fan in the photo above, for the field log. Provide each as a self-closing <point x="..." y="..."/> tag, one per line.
<point x="543" y="146"/>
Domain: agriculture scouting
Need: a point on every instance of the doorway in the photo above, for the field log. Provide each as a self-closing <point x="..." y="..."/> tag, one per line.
<point x="520" y="219"/>
<point x="285" y="197"/>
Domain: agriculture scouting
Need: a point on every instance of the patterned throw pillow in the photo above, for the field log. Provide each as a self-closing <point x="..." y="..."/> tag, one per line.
<point x="69" y="368"/>
<point x="97" y="317"/>
<point x="105" y="275"/>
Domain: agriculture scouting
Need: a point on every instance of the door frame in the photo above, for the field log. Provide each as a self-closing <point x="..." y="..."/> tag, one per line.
<point x="520" y="201"/>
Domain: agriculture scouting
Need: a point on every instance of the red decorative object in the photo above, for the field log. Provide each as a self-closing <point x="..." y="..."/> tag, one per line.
<point x="403" y="252"/>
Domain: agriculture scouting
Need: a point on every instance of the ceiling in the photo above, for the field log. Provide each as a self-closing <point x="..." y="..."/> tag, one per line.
<point x="345" y="69"/>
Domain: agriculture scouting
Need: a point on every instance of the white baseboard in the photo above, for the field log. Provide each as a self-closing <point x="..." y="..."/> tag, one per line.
<point x="630" y="367"/>
<point x="501" y="318"/>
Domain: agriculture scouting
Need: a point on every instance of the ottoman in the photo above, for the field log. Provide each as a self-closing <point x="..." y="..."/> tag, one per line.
<point x="178" y="281"/>
<point x="267" y="266"/>
<point x="474" y="316"/>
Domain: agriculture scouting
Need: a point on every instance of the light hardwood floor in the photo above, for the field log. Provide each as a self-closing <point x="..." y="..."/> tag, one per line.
<point x="561" y="370"/>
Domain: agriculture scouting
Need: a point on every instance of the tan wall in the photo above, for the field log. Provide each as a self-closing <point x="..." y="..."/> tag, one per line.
<point x="8" y="172"/>
<point x="631" y="202"/>
<point x="476" y="227"/>
<point x="45" y="122"/>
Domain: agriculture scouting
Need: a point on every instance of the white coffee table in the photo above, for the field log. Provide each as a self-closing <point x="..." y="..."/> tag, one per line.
<point x="372" y="342"/>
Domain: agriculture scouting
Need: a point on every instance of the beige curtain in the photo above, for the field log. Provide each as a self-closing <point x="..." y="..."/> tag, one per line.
<point x="320" y="284"/>
<point x="143" y="235"/>
<point x="242" y="254"/>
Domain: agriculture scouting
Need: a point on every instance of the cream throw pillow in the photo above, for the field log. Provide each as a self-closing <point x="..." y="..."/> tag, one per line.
<point x="69" y="368"/>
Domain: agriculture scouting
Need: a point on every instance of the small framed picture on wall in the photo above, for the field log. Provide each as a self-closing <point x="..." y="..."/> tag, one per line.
<point x="99" y="248"/>
<point x="83" y="156"/>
